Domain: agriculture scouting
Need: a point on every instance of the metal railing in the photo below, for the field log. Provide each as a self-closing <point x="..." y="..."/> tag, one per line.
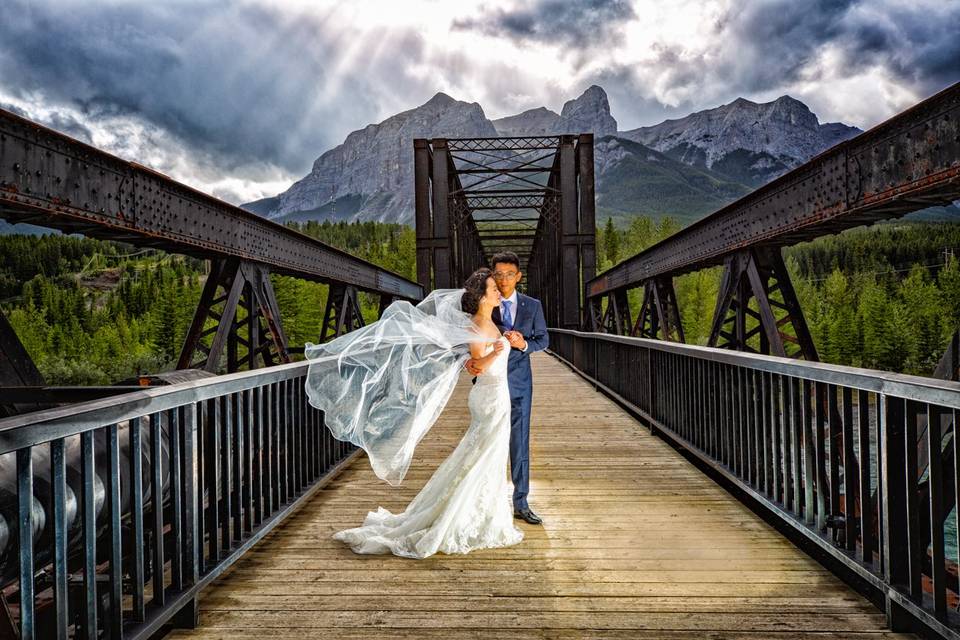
<point x="857" y="463"/>
<point x="133" y="504"/>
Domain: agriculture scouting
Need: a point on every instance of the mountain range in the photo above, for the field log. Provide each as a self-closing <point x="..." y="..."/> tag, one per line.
<point x="684" y="168"/>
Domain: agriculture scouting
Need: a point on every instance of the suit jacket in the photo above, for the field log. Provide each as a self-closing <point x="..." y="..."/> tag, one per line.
<point x="529" y="321"/>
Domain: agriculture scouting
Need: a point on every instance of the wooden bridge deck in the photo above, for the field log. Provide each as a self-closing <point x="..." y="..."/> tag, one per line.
<point x="637" y="543"/>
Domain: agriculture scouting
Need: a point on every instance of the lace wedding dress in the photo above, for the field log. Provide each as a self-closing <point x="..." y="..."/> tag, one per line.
<point x="465" y="505"/>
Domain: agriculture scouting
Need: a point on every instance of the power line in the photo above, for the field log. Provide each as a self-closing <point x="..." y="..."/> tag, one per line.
<point x="879" y="273"/>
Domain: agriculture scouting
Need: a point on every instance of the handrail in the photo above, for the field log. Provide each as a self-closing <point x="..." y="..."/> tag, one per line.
<point x="790" y="436"/>
<point x="229" y="458"/>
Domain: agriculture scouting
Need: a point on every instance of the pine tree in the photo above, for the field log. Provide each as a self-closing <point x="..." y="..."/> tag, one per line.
<point x="611" y="243"/>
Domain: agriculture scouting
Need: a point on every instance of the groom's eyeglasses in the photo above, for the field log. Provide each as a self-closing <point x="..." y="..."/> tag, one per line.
<point x="500" y="275"/>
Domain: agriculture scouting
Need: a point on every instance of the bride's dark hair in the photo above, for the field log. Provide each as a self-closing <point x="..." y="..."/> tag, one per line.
<point x="475" y="288"/>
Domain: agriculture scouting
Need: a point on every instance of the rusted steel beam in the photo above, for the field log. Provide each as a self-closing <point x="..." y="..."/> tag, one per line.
<point x="909" y="162"/>
<point x="50" y="179"/>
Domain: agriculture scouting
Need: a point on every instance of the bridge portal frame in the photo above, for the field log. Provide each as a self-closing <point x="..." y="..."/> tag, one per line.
<point x="537" y="199"/>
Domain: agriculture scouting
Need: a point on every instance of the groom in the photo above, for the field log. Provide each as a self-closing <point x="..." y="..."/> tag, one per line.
<point x="520" y="319"/>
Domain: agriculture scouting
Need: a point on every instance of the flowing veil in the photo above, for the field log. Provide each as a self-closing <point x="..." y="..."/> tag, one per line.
<point x="383" y="386"/>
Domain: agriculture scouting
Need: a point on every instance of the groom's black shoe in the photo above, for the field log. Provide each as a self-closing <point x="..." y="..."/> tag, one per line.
<point x="527" y="516"/>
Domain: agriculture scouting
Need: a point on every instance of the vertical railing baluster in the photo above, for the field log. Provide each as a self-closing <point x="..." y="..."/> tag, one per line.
<point x="796" y="436"/>
<point x="726" y="407"/>
<point x="894" y="502"/>
<point x="312" y="446"/>
<point x="298" y="433"/>
<point x="237" y="442"/>
<point x="776" y="488"/>
<point x="226" y="474"/>
<point x="954" y="415"/>
<point x="259" y="468"/>
<point x="743" y="448"/>
<point x="835" y="439"/>
<point x="881" y="407"/>
<point x="200" y="411"/>
<point x="174" y="426"/>
<point x="88" y="479"/>
<point x="820" y="402"/>
<point x="706" y="388"/>
<point x="28" y="623"/>
<point x="283" y="446"/>
<point x="750" y="448"/>
<point x="58" y="482"/>
<point x="716" y="397"/>
<point x="690" y="405"/>
<point x="305" y="432"/>
<point x="249" y="451"/>
<point x="935" y="482"/>
<point x="297" y="424"/>
<point x="156" y="500"/>
<point x="735" y="424"/>
<point x="268" y="455"/>
<point x="211" y="471"/>
<point x="809" y="454"/>
<point x="275" y="437"/>
<point x="783" y="390"/>
<point x="192" y="499"/>
<point x="762" y="440"/>
<point x="866" y="499"/>
<point x="915" y="552"/>
<point x="114" y="511"/>
<point x="136" y="515"/>
<point x="850" y="479"/>
<point x="693" y="409"/>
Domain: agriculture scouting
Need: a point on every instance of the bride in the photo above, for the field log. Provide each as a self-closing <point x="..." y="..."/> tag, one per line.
<point x="391" y="381"/>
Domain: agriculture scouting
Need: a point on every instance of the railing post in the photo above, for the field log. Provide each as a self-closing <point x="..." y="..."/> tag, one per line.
<point x="651" y="394"/>
<point x="894" y="505"/>
<point x="189" y="615"/>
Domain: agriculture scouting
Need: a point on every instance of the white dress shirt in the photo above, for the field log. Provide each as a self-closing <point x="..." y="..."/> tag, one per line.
<point x="513" y="310"/>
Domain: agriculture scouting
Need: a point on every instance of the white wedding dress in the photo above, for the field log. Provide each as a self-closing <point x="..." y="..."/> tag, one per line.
<point x="465" y="504"/>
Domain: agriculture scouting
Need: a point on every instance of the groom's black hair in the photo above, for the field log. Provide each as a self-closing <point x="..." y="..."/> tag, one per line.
<point x="505" y="257"/>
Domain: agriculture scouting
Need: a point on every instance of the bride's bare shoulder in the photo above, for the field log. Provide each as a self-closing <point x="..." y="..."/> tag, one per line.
<point x="486" y="328"/>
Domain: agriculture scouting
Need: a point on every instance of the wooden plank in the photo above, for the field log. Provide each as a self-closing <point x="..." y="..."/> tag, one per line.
<point x="636" y="543"/>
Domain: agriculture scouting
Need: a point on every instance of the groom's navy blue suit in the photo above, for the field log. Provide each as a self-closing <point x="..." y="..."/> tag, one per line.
<point x="528" y="320"/>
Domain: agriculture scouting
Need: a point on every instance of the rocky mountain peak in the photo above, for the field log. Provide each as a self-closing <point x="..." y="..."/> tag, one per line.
<point x="752" y="142"/>
<point x="439" y="100"/>
<point x="589" y="113"/>
<point x="532" y="122"/>
<point x="370" y="175"/>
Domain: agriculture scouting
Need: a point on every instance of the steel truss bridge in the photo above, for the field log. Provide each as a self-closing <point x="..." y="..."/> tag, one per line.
<point x="118" y="506"/>
<point x="905" y="164"/>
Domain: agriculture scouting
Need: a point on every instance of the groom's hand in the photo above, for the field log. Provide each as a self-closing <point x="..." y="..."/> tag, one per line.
<point x="516" y="340"/>
<point x="472" y="368"/>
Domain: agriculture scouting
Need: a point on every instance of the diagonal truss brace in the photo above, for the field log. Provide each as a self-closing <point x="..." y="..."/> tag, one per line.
<point x="342" y="314"/>
<point x="759" y="275"/>
<point x="659" y="316"/>
<point x="234" y="285"/>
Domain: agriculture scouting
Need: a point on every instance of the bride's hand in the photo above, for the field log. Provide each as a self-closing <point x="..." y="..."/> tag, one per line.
<point x="497" y="347"/>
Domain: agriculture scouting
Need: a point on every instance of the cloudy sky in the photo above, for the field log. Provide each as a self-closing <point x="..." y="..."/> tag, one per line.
<point x="239" y="98"/>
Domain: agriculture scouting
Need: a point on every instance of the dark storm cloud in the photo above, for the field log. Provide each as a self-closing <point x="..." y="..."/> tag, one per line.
<point x="242" y="83"/>
<point x="769" y="48"/>
<point x="917" y="46"/>
<point x="773" y="43"/>
<point x="573" y="23"/>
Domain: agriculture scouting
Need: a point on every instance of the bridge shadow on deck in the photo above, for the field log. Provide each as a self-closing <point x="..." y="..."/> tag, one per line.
<point x="637" y="543"/>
